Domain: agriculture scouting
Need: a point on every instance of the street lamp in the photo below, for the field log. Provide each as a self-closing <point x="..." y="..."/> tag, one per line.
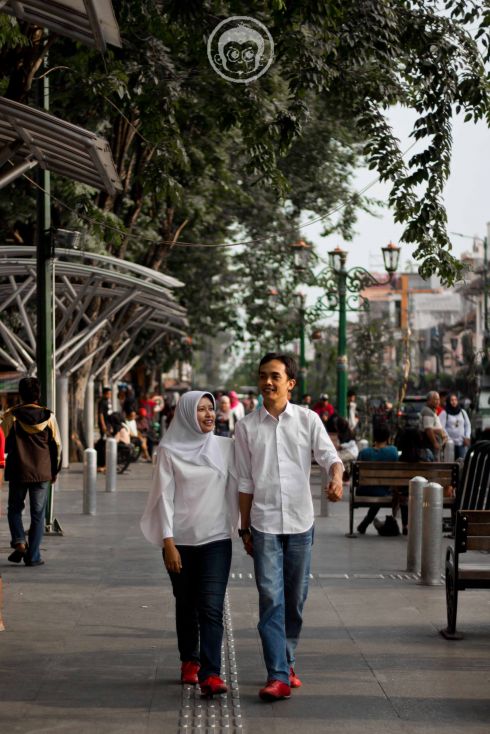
<point x="300" y="303"/>
<point x="343" y="292"/>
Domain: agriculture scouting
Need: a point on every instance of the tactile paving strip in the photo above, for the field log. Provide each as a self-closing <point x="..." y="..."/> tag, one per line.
<point x="397" y="576"/>
<point x="221" y="714"/>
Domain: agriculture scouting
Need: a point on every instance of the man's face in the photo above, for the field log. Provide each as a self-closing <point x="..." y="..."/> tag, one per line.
<point x="274" y="384"/>
<point x="434" y="401"/>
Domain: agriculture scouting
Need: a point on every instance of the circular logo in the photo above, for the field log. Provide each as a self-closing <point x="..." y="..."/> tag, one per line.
<point x="240" y="49"/>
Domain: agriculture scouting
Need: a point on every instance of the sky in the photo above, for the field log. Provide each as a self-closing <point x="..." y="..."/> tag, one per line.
<point x="467" y="198"/>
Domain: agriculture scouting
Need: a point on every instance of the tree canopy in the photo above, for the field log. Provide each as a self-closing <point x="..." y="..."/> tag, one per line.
<point x="206" y="163"/>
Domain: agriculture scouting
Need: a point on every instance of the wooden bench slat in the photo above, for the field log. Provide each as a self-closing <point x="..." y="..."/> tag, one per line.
<point x="477" y="573"/>
<point x="475" y="543"/>
<point x="479" y="528"/>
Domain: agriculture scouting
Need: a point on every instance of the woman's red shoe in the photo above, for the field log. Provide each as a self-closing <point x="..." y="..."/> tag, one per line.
<point x="189" y="671"/>
<point x="213" y="685"/>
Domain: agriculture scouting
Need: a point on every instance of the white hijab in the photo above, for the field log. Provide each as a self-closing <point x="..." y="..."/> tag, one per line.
<point x="185" y="439"/>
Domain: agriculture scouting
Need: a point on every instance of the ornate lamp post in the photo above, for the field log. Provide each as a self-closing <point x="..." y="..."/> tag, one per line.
<point x="343" y="293"/>
<point x="300" y="302"/>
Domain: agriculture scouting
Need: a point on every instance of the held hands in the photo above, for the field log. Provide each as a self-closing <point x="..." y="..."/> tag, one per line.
<point x="248" y="543"/>
<point x="171" y="558"/>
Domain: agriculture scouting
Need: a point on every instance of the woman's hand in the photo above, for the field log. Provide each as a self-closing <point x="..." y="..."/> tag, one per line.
<point x="171" y="556"/>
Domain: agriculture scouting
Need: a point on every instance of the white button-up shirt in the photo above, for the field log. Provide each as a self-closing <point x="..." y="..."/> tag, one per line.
<point x="273" y="461"/>
<point x="191" y="504"/>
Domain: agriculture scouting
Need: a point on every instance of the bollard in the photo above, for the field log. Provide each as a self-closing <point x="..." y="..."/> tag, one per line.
<point x="430" y="567"/>
<point x="448" y="453"/>
<point x="89" y="481"/>
<point x="110" y="464"/>
<point x="88" y="413"/>
<point x="414" y="540"/>
<point x="324" y="501"/>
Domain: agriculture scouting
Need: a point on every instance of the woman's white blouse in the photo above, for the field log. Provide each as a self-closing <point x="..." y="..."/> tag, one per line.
<point x="191" y="504"/>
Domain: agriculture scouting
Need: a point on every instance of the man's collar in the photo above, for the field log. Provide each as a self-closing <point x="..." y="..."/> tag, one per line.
<point x="263" y="412"/>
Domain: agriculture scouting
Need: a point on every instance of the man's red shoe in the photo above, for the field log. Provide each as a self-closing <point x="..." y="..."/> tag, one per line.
<point x="213" y="686"/>
<point x="274" y="690"/>
<point x="294" y="681"/>
<point x="189" y="671"/>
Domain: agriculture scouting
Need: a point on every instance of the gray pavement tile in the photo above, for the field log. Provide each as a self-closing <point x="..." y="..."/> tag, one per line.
<point x="90" y="643"/>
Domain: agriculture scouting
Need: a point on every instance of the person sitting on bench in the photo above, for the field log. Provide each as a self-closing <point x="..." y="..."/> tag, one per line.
<point x="380" y="451"/>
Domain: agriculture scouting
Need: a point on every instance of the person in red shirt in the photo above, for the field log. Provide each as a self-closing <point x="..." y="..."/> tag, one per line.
<point x="324" y="409"/>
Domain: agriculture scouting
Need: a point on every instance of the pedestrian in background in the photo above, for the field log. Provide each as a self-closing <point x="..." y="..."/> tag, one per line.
<point x="455" y="421"/>
<point x="104" y="410"/>
<point x="2" y="454"/>
<point x="273" y="455"/>
<point x="225" y="419"/>
<point x="430" y="424"/>
<point x="33" y="446"/>
<point x="380" y="451"/>
<point x="237" y="408"/>
<point x="191" y="514"/>
<point x="324" y="408"/>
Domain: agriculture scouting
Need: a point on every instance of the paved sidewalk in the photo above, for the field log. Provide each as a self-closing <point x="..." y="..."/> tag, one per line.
<point x="89" y="645"/>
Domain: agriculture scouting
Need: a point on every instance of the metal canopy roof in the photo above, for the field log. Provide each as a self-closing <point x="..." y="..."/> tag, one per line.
<point x="90" y="21"/>
<point x="29" y="137"/>
<point x="101" y="305"/>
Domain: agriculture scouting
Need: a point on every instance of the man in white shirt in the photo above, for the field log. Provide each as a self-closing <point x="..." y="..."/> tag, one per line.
<point x="431" y="425"/>
<point x="273" y="456"/>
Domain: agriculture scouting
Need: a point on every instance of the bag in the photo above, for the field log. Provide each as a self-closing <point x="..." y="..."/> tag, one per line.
<point x="389" y="528"/>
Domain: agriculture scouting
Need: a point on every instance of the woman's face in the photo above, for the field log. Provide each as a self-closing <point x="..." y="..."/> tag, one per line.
<point x="225" y="404"/>
<point x="454" y="401"/>
<point x="206" y="415"/>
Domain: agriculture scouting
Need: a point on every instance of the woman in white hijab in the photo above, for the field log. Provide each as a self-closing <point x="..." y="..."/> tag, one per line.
<point x="191" y="513"/>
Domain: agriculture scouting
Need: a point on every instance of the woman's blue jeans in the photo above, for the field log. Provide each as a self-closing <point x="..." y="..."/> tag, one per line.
<point x="38" y="495"/>
<point x="199" y="591"/>
<point x="282" y="571"/>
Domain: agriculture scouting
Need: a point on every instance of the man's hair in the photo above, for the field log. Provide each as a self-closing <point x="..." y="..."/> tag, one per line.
<point x="288" y="362"/>
<point x="431" y="394"/>
<point x="381" y="434"/>
<point x="30" y="390"/>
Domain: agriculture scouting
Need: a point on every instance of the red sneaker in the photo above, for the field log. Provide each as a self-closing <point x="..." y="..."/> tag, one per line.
<point x="189" y="671"/>
<point x="274" y="690"/>
<point x="212" y="686"/>
<point x="294" y="681"/>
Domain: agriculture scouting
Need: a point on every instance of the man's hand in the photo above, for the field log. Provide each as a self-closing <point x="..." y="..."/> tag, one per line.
<point x="334" y="490"/>
<point x="248" y="543"/>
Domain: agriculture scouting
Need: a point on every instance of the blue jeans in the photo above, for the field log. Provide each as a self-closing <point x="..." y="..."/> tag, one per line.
<point x="282" y="570"/>
<point x="199" y="591"/>
<point x="38" y="495"/>
<point x="460" y="451"/>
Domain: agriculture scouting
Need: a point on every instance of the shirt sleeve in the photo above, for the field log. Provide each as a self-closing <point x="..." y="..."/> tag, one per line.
<point x="321" y="443"/>
<point x="443" y="419"/>
<point x="467" y="425"/>
<point x="157" y="521"/>
<point x="243" y="460"/>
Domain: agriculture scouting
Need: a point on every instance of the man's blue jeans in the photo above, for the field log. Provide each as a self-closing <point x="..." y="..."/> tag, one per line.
<point x="199" y="591"/>
<point x="282" y="571"/>
<point x="38" y="495"/>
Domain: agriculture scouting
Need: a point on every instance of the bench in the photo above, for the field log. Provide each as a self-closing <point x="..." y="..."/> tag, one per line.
<point x="472" y="533"/>
<point x="396" y="474"/>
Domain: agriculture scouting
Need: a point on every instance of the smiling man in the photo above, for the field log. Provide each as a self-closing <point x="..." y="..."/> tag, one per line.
<point x="273" y="453"/>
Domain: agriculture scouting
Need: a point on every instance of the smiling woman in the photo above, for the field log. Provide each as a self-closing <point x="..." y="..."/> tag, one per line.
<point x="191" y="514"/>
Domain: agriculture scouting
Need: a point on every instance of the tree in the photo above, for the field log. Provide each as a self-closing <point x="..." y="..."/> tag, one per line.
<point x="205" y="161"/>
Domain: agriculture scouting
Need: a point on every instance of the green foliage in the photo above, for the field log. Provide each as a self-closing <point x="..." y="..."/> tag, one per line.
<point x="206" y="161"/>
